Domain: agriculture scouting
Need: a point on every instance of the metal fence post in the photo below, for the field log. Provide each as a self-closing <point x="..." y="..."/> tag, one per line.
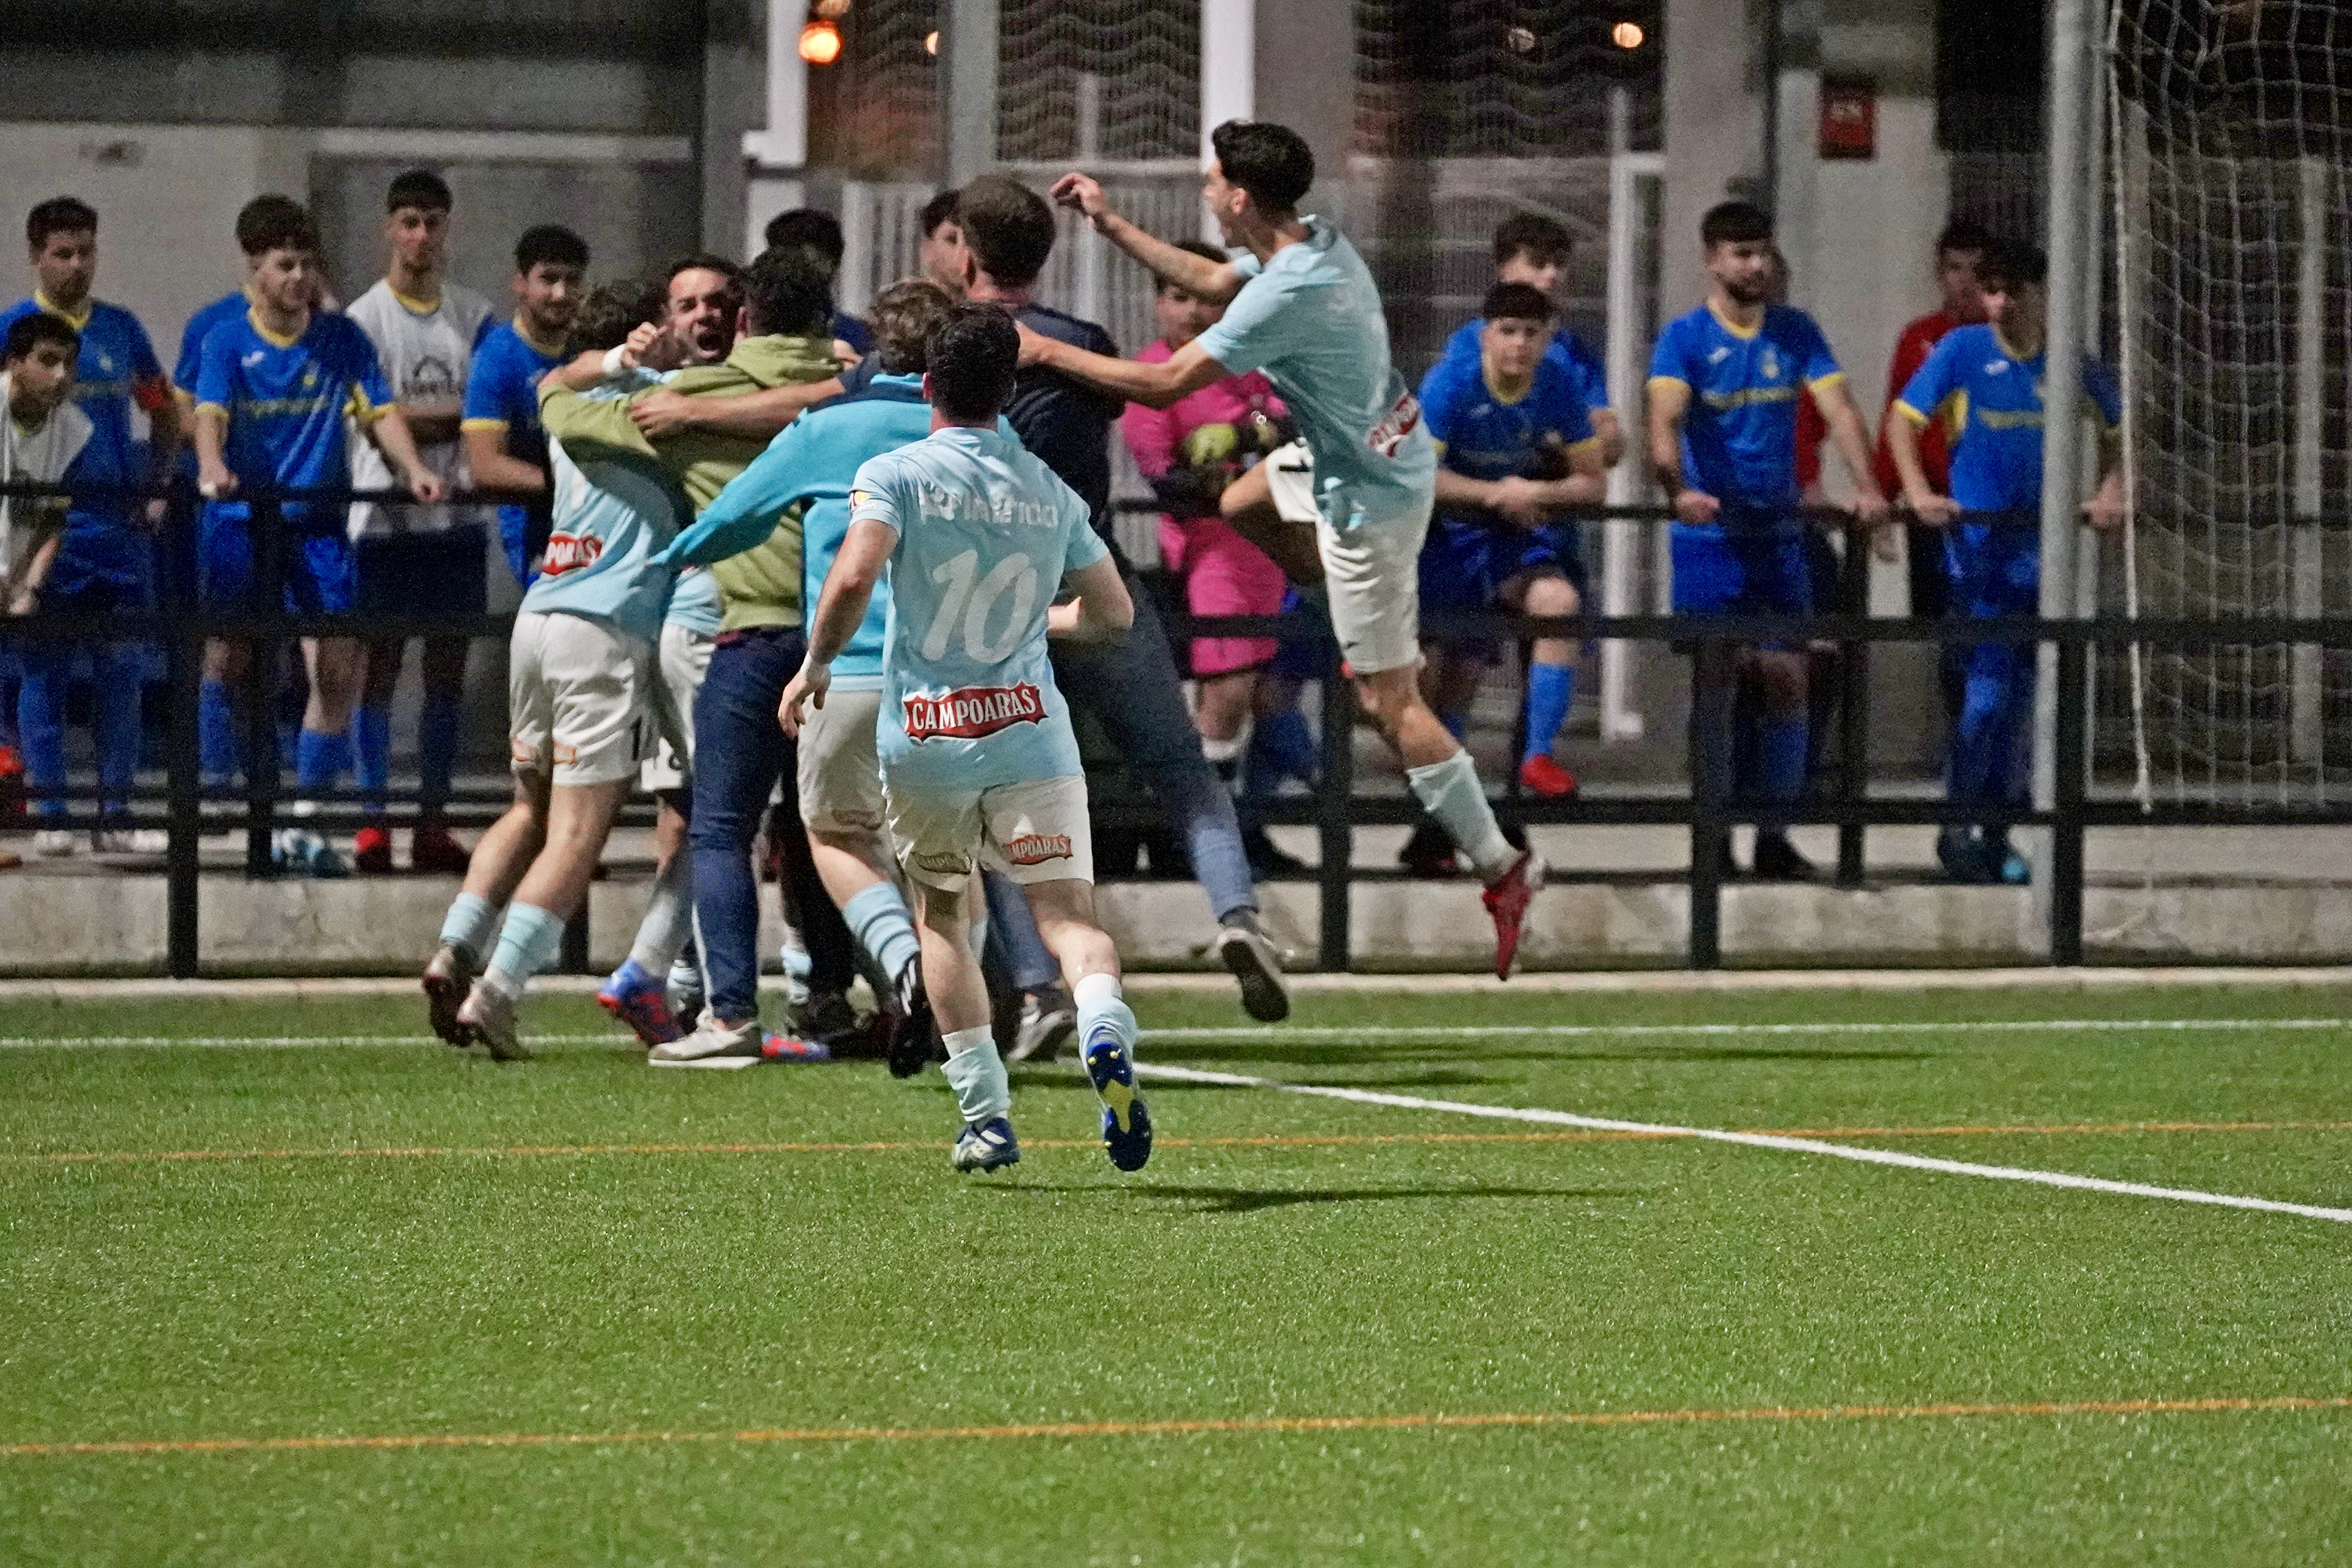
<point x="266" y="531"/>
<point x="185" y="656"/>
<point x="1335" y="833"/>
<point x="2066" y="832"/>
<point x="1853" y="705"/>
<point x="1710" y="777"/>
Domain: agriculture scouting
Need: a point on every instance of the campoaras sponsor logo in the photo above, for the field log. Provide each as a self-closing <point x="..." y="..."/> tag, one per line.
<point x="974" y="711"/>
<point x="1037" y="848"/>
<point x="569" y="552"/>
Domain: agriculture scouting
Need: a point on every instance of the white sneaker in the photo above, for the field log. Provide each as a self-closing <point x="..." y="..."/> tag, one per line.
<point x="489" y="1018"/>
<point x="131" y="841"/>
<point x="56" y="843"/>
<point x="1048" y="1021"/>
<point x="712" y="1039"/>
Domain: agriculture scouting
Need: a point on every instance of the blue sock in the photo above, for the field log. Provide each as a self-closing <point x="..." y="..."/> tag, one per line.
<point x="440" y="736"/>
<point x="877" y="917"/>
<point x="528" y="943"/>
<point x="1550" y="688"/>
<point x="372" y="744"/>
<point x="217" y="746"/>
<point x="1284" y="747"/>
<point x="1781" y="754"/>
<point x="468" y="923"/>
<point x="1456" y="725"/>
<point x="319" y="760"/>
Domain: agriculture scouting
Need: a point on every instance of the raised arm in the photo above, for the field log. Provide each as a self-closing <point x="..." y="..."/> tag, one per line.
<point x="1197" y="275"/>
<point x="1153" y="385"/>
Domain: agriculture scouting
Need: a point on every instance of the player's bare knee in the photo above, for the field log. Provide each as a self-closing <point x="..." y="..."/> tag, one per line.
<point x="1552" y="597"/>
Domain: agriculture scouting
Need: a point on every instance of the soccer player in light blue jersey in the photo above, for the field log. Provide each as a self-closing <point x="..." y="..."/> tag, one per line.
<point x="1723" y="386"/>
<point x="979" y="760"/>
<point x="1301" y="306"/>
<point x="1983" y="384"/>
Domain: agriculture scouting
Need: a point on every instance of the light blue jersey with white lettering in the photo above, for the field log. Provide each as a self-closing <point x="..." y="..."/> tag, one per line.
<point x="694" y="602"/>
<point x="611" y="519"/>
<point x="986" y="533"/>
<point x="1311" y="318"/>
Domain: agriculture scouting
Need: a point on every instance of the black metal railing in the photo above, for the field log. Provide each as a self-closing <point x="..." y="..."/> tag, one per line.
<point x="1336" y="809"/>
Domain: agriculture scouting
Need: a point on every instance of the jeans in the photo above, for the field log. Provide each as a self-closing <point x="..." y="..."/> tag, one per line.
<point x="740" y="754"/>
<point x="1129" y="686"/>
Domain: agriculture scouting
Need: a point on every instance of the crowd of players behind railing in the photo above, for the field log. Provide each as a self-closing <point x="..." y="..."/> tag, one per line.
<point x="422" y="384"/>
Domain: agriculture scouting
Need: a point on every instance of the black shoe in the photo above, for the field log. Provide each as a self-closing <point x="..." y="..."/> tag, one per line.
<point x="1777" y="860"/>
<point x="1429" y="852"/>
<point x="1266" y="861"/>
<point x="828" y="1019"/>
<point x="914" y="1036"/>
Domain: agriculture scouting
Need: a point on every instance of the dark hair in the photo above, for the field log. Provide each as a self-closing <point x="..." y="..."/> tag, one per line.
<point x="550" y="242"/>
<point x="1735" y="223"/>
<point x="817" y="230"/>
<point x="274" y="223"/>
<point x="939" y="209"/>
<point x="1533" y="235"/>
<point x="1964" y="234"/>
<point x="702" y="262"/>
<point x="58" y="214"/>
<point x="2012" y="262"/>
<point x="788" y="293"/>
<point x="1515" y="302"/>
<point x="1008" y="227"/>
<point x="604" y="320"/>
<point x="905" y="315"/>
<point x="1200" y="247"/>
<point x="29" y="331"/>
<point x="972" y="356"/>
<point x="419" y="188"/>
<point x="1272" y="162"/>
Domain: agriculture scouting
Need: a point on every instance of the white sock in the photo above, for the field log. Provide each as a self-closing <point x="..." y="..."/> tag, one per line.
<point x="1097" y="988"/>
<point x="1451" y="792"/>
<point x="977" y="1074"/>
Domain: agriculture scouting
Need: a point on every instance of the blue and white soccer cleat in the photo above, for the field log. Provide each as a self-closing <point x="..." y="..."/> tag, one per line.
<point x="1126" y="1123"/>
<point x="987" y="1145"/>
<point x="642" y="1001"/>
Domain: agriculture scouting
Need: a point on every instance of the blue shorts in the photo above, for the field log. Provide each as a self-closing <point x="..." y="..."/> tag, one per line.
<point x="320" y="578"/>
<point x="514" y="539"/>
<point x="1994" y="570"/>
<point x="442" y="573"/>
<point x="106" y="555"/>
<point x="1465" y="564"/>
<point x="1747" y="571"/>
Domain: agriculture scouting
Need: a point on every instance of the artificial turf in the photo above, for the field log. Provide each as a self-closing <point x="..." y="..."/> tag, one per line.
<point x="583" y="1247"/>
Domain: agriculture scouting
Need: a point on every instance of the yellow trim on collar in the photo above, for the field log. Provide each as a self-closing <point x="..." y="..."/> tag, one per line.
<point x="253" y="319"/>
<point x="79" y="323"/>
<point x="1734" y="328"/>
<point x="552" y="351"/>
<point x="414" y="307"/>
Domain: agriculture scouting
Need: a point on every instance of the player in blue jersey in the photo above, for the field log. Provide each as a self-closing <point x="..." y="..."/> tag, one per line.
<point x="103" y="562"/>
<point x="812" y="463"/>
<point x="504" y="448"/>
<point x="273" y="393"/>
<point x="979" y="762"/>
<point x="1723" y="386"/>
<point x="581" y="717"/>
<point x="1301" y="306"/>
<point x="1983" y="384"/>
<point x="1533" y="249"/>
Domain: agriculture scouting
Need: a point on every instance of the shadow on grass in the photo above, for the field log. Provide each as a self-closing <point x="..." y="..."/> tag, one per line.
<point x="1251" y="1200"/>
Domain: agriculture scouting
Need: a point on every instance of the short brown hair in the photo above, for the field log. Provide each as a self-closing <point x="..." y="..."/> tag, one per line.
<point x="1008" y="227"/>
<point x="904" y="316"/>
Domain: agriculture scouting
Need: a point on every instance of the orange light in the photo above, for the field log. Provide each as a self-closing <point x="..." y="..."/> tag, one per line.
<point x="820" y="43"/>
<point x="1627" y="35"/>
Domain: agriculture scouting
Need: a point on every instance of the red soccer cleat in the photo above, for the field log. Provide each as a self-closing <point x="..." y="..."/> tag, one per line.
<point x="371" y="851"/>
<point x="1507" y="898"/>
<point x="1541" y="776"/>
<point x="431" y="848"/>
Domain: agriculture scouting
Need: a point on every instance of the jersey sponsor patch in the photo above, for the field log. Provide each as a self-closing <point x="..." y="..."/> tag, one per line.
<point x="973" y="712"/>
<point x="1389" y="433"/>
<point x="569" y="552"/>
<point x="1037" y="848"/>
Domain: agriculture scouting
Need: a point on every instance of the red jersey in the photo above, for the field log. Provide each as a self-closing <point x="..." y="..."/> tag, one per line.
<point x="1911" y="350"/>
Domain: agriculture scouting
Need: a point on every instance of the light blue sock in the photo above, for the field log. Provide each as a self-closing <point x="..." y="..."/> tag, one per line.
<point x="320" y="759"/>
<point x="1550" y="688"/>
<point x="1100" y="1005"/>
<point x="528" y="943"/>
<point x="1449" y="792"/>
<point x="468" y="923"/>
<point x="668" y="922"/>
<point x="440" y="736"/>
<point x="877" y="917"/>
<point x="372" y="745"/>
<point x="976" y="1072"/>
<point x="1780" y="747"/>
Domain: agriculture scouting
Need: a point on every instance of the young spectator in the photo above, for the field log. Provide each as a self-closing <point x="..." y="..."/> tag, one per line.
<point x="425" y="329"/>
<point x="42" y="436"/>
<point x="819" y="234"/>
<point x="1533" y="249"/>
<point x="505" y="448"/>
<point x="1189" y="451"/>
<point x="1725" y="380"/>
<point x="255" y="222"/>
<point x="272" y="398"/>
<point x="104" y="559"/>
<point x="1983" y="384"/>
<point x="1516" y="448"/>
<point x="940" y="257"/>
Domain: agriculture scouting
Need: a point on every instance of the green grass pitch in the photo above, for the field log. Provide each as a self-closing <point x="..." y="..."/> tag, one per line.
<point x="736" y="1317"/>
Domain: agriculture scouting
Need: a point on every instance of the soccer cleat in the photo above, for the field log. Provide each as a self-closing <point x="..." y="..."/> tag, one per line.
<point x="1244" y="948"/>
<point x="712" y="1038"/>
<point x="431" y="850"/>
<point x="371" y="851"/>
<point x="1541" y="775"/>
<point x="54" y="843"/>
<point x="1047" y="1021"/>
<point x="2014" y="870"/>
<point x="1777" y="860"/>
<point x="448" y="975"/>
<point x="1126" y="1122"/>
<point x="488" y="1019"/>
<point x="828" y="1017"/>
<point x="641" y="1002"/>
<point x="915" y="1032"/>
<point x="1429" y="851"/>
<point x="116" y="839"/>
<point x="1507" y="899"/>
<point x="987" y="1145"/>
<point x="303" y="853"/>
<point x="786" y="1048"/>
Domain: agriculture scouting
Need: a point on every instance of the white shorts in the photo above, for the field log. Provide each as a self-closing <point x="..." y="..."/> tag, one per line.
<point x="1290" y="480"/>
<point x="685" y="660"/>
<point x="577" y="699"/>
<point x="1034" y="831"/>
<point x="1373" y="575"/>
<point x="840" y="776"/>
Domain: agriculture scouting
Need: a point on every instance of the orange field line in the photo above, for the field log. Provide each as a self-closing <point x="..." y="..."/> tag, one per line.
<point x="1301" y="1140"/>
<point x="1277" y="1424"/>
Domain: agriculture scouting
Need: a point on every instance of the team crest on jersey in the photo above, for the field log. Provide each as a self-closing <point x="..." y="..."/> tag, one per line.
<point x="1037" y="848"/>
<point x="973" y="712"/>
<point x="1771" y="364"/>
<point x="569" y="552"/>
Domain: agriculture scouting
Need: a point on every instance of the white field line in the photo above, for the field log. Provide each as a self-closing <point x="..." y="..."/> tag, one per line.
<point x="1753" y="1140"/>
<point x="1407" y="1034"/>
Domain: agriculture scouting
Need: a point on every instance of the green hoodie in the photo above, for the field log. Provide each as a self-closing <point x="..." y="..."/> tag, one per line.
<point x="760" y="587"/>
